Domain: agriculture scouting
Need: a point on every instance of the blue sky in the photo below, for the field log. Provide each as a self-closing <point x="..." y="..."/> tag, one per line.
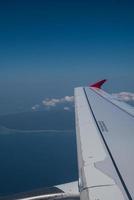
<point x="48" y="47"/>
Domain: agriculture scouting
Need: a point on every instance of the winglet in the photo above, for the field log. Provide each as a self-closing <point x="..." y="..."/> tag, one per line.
<point x="98" y="84"/>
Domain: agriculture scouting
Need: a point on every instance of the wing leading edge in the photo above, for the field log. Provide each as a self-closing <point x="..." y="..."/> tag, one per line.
<point x="104" y="127"/>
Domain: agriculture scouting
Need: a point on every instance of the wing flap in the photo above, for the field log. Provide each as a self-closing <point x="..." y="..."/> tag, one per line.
<point x="105" y="193"/>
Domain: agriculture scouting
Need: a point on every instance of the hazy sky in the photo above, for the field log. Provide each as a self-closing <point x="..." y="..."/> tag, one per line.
<point x="47" y="47"/>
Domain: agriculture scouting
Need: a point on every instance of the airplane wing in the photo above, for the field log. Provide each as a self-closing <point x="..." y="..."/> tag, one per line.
<point x="105" y="148"/>
<point x="105" y="145"/>
<point x="67" y="191"/>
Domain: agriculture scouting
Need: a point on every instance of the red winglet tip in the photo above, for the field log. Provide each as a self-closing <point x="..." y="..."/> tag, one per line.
<point x="98" y="84"/>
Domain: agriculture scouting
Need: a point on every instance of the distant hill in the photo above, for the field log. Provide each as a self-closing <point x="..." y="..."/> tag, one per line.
<point x="39" y="120"/>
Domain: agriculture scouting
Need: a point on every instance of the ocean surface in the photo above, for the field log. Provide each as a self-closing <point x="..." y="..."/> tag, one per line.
<point x="37" y="150"/>
<point x="30" y="161"/>
<point x="36" y="159"/>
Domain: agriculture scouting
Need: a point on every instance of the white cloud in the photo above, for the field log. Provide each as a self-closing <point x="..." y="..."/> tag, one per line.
<point x="54" y="102"/>
<point x="35" y="107"/>
<point x="50" y="102"/>
<point x="67" y="101"/>
<point x="66" y="108"/>
<point x="69" y="98"/>
<point x="124" y="96"/>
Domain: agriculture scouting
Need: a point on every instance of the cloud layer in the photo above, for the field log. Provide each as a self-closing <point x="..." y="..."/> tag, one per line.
<point x="35" y="107"/>
<point x="54" y="102"/>
<point x="68" y="101"/>
<point x="124" y="96"/>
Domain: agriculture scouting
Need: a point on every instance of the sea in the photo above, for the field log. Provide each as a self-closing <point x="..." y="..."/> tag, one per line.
<point x="35" y="159"/>
<point x="37" y="150"/>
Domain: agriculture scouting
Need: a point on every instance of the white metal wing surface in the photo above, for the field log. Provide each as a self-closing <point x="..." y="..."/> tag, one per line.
<point x="105" y="148"/>
<point x="105" y="145"/>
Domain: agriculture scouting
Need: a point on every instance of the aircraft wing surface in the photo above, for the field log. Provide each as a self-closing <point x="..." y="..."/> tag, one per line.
<point x="105" y="145"/>
<point x="105" y="148"/>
